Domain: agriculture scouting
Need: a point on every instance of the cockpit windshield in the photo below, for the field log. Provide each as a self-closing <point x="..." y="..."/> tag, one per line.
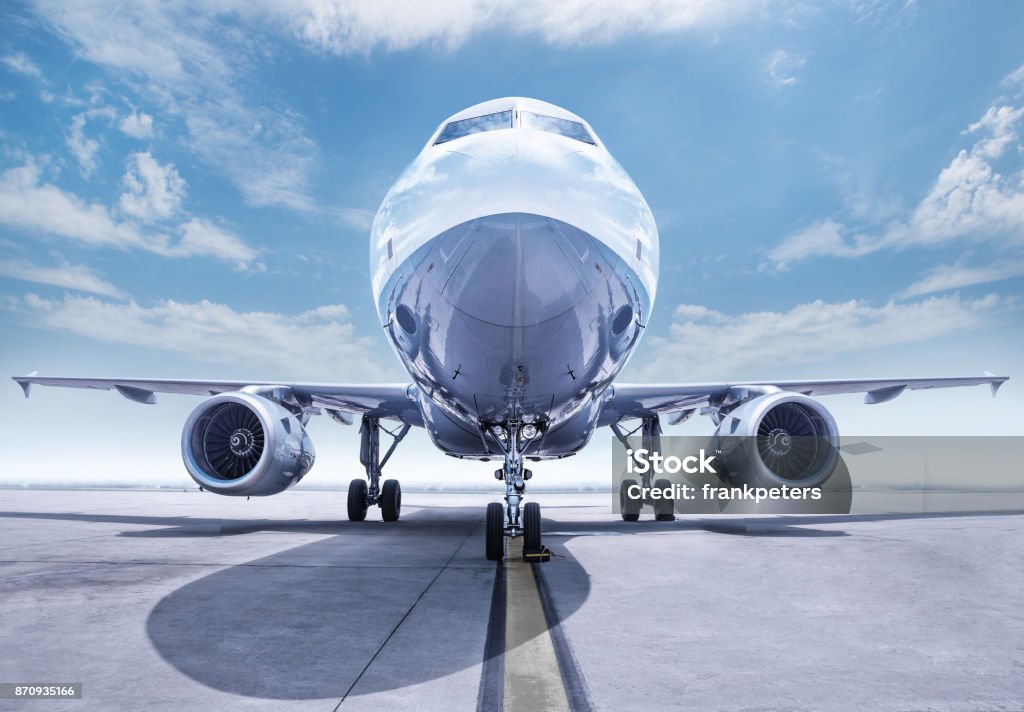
<point x="563" y="127"/>
<point x="477" y="124"/>
<point x="504" y="120"/>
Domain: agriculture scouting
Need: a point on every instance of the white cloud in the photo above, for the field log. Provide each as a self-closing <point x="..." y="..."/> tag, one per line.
<point x="126" y="38"/>
<point x="267" y="155"/>
<point x="1015" y="77"/>
<point x="782" y="67"/>
<point x="315" y="344"/>
<point x="955" y="276"/>
<point x="83" y="148"/>
<point x="358" y="218"/>
<point x="883" y="15"/>
<point x="201" y="237"/>
<point x="712" y="345"/>
<point x="152" y="191"/>
<point x="343" y="27"/>
<point x="823" y="237"/>
<point x="137" y="124"/>
<point x="998" y="129"/>
<point x="970" y="200"/>
<point x="18" y="62"/>
<point x="29" y="204"/>
<point x="66" y="275"/>
<point x="180" y="55"/>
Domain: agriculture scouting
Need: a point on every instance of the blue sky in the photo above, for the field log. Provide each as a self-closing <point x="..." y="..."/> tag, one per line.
<point x="186" y="192"/>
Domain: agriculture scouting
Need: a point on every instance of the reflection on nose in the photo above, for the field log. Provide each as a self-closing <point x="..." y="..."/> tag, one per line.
<point x="513" y="269"/>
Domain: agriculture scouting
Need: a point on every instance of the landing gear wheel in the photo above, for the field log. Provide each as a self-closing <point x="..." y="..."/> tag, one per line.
<point x="664" y="509"/>
<point x="357" y="504"/>
<point x="391" y="501"/>
<point x="629" y="507"/>
<point x="531" y="527"/>
<point x="495" y="531"/>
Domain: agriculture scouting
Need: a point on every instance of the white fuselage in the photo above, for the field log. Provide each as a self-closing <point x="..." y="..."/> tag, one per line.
<point x="514" y="269"/>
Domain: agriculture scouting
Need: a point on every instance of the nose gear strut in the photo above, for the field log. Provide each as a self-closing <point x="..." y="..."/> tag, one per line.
<point x="513" y="519"/>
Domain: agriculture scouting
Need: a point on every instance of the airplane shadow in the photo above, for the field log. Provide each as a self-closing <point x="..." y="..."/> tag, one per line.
<point x="304" y="623"/>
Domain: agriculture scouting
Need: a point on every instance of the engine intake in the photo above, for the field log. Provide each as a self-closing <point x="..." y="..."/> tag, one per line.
<point x="781" y="439"/>
<point x="244" y="444"/>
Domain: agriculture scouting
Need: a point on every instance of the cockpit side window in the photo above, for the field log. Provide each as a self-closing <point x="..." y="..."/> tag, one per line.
<point x="465" y="127"/>
<point x="563" y="127"/>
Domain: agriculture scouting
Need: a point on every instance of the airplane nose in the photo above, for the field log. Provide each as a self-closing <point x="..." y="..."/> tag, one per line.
<point x="564" y="201"/>
<point x="512" y="269"/>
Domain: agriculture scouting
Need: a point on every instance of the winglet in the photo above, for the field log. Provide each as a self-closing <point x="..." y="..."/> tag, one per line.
<point x="994" y="384"/>
<point x="26" y="382"/>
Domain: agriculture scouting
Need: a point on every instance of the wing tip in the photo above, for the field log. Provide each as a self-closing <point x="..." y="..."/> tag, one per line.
<point x="26" y="382"/>
<point x="996" y="382"/>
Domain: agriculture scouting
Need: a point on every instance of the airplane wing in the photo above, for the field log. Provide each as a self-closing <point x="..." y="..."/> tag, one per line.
<point x="634" y="400"/>
<point x="385" y="400"/>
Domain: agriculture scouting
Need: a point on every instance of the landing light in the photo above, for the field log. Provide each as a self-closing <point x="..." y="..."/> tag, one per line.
<point x="528" y="431"/>
<point x="499" y="432"/>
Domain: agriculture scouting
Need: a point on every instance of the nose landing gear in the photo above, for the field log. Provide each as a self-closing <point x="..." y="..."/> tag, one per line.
<point x="513" y="520"/>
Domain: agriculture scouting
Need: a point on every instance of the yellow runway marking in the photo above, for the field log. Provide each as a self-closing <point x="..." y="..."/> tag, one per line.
<point x="532" y="677"/>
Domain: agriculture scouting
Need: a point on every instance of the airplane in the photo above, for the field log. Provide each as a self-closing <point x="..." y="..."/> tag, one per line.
<point x="514" y="268"/>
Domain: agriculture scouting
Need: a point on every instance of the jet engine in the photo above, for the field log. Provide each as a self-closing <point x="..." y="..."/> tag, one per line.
<point x="244" y="444"/>
<point x="779" y="438"/>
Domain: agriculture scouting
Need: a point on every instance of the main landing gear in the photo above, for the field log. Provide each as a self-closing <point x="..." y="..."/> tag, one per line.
<point x="513" y="520"/>
<point x="363" y="493"/>
<point x="650" y="438"/>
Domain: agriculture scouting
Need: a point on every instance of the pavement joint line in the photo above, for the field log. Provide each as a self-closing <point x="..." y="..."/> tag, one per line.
<point x="491" y="690"/>
<point x="220" y="564"/>
<point x="533" y="678"/>
<point x="402" y="620"/>
<point x="572" y="676"/>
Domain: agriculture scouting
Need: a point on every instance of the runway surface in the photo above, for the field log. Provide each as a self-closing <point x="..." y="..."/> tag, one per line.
<point x="174" y="601"/>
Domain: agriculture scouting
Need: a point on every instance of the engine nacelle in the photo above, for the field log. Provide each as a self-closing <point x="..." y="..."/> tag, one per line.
<point x="244" y="444"/>
<point x="781" y="438"/>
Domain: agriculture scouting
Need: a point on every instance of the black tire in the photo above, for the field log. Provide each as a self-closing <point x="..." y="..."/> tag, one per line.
<point x="664" y="509"/>
<point x="391" y="501"/>
<point x="357" y="504"/>
<point x="495" y="532"/>
<point x="629" y="507"/>
<point x="531" y="527"/>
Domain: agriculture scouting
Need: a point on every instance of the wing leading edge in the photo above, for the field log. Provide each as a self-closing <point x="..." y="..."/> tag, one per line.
<point x="383" y="400"/>
<point x="634" y="400"/>
<point x="396" y="400"/>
